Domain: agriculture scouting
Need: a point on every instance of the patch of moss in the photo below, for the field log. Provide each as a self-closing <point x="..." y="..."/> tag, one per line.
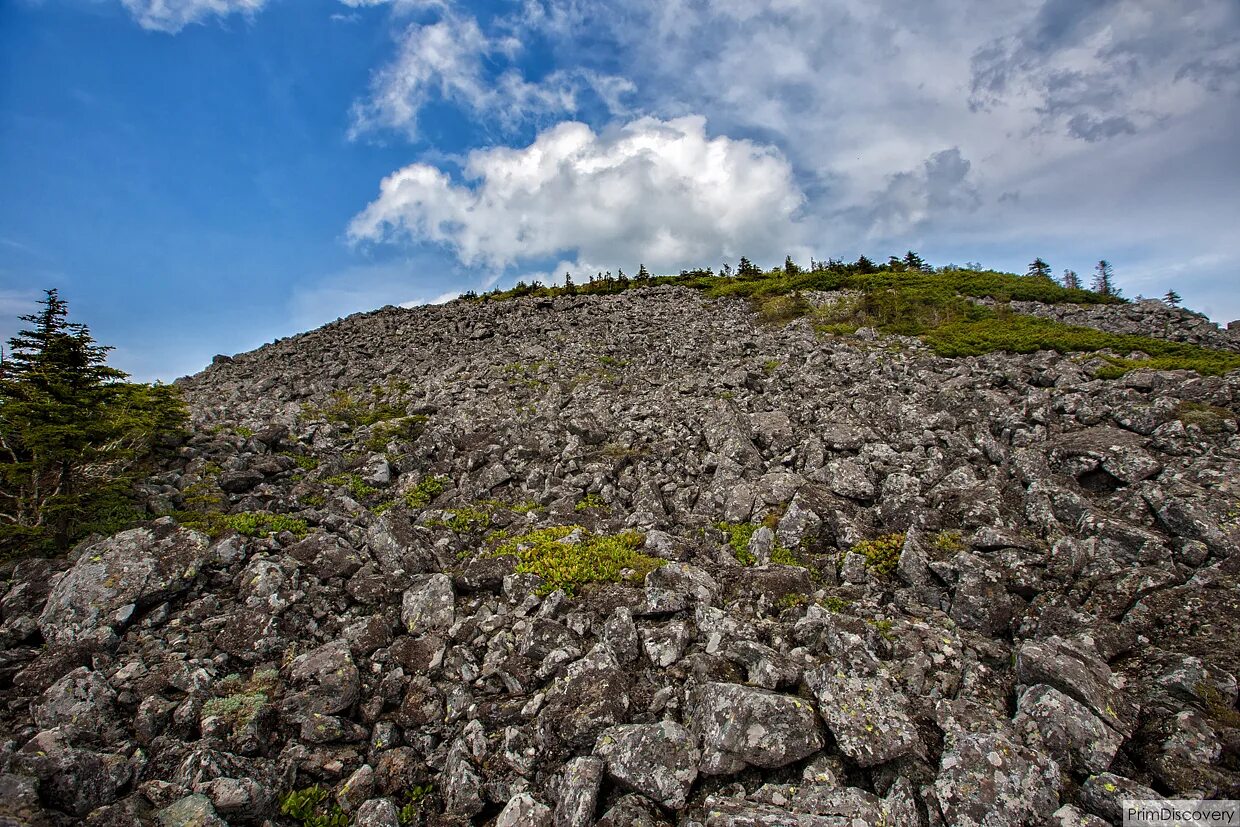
<point x="592" y="558"/>
<point x="834" y="604"/>
<point x="882" y="554"/>
<point x="240" y="709"/>
<point x="359" y="489"/>
<point x="947" y="544"/>
<point x="792" y="600"/>
<point x="738" y="537"/>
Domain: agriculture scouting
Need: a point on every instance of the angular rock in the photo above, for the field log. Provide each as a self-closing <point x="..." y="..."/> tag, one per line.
<point x="739" y="725"/>
<point x="1075" y="737"/>
<point x="987" y="780"/>
<point x="659" y="760"/>
<point x="523" y="811"/>
<point x="113" y="577"/>
<point x="868" y="717"/>
<point x="428" y="605"/>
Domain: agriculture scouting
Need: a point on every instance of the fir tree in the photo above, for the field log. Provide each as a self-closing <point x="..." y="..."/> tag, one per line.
<point x="1071" y="281"/>
<point x="70" y="431"/>
<point x="643" y="275"/>
<point x="1172" y="298"/>
<point x="747" y="268"/>
<point x="913" y="261"/>
<point x="864" y="265"/>
<point x="1039" y="269"/>
<point x="790" y="266"/>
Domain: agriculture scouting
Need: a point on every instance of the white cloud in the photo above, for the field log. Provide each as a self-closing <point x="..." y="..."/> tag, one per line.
<point x="659" y="192"/>
<point x="454" y="60"/>
<point x="173" y="15"/>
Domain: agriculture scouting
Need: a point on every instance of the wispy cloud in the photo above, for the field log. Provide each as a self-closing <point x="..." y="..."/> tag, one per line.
<point x="171" y="16"/>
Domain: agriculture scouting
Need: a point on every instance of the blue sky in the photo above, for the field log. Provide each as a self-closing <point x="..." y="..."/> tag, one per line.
<point x="203" y="176"/>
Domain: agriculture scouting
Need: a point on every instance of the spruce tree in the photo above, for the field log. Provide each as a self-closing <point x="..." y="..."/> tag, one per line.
<point x="864" y="265"/>
<point x="747" y="268"/>
<point x="1104" y="279"/>
<point x="70" y="431"/>
<point x="1172" y="298"/>
<point x="913" y="261"/>
<point x="1071" y="281"/>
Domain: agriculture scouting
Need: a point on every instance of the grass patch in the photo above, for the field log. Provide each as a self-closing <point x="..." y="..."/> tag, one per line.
<point x="986" y="333"/>
<point x="358" y="408"/>
<point x="882" y="554"/>
<point x="262" y="523"/>
<point x="595" y="558"/>
<point x="933" y="304"/>
<point x="834" y="604"/>
<point x="738" y="537"/>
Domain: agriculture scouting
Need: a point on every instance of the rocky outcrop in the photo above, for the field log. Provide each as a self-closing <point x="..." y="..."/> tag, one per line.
<point x="877" y="586"/>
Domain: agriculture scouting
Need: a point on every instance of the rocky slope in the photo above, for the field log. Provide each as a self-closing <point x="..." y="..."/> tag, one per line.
<point x="894" y="588"/>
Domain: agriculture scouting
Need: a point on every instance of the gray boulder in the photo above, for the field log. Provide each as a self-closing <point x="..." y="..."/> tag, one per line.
<point x="659" y="760"/>
<point x="868" y="717"/>
<point x="115" y="577"/>
<point x="740" y="726"/>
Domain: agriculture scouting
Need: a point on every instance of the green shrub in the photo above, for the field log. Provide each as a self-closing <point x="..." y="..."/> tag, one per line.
<point x="313" y="807"/>
<point x="569" y="566"/>
<point x="426" y="490"/>
<point x="359" y="489"/>
<point x="1206" y="417"/>
<point x="262" y="523"/>
<point x="404" y="429"/>
<point x="882" y="554"/>
<point x="240" y="709"/>
<point x="834" y="604"/>
<point x="947" y="543"/>
<point x="738" y="537"/>
<point x="591" y="501"/>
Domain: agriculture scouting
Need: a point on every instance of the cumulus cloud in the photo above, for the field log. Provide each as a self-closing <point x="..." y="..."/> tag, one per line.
<point x="453" y="60"/>
<point x="942" y="185"/>
<point x="660" y="192"/>
<point x="173" y="15"/>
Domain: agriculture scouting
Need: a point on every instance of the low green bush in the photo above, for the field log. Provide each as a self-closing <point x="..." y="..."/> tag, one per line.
<point x="594" y="558"/>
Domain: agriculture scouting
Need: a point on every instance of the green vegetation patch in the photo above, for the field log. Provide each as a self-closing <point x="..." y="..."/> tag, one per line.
<point x="262" y="523"/>
<point x="591" y="558"/>
<point x="882" y="554"/>
<point x="1027" y="334"/>
<point x="240" y="709"/>
<point x="738" y="537"/>
<point x="358" y="488"/>
<point x="359" y="408"/>
<point x="1208" y="418"/>
<point x="426" y="490"/>
<point x="313" y="807"/>
<point x="404" y="429"/>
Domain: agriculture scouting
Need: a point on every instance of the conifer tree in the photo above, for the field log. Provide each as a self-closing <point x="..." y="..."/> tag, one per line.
<point x="643" y="275"/>
<point x="1172" y="298"/>
<point x="1104" y="279"/>
<point x="1071" y="281"/>
<point x="747" y="268"/>
<point x="864" y="265"/>
<point x="1039" y="269"/>
<point x="790" y="266"/>
<point x="913" y="261"/>
<point x="70" y="430"/>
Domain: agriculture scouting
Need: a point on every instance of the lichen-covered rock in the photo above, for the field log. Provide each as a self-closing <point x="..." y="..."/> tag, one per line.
<point x="988" y="780"/>
<point x="523" y="811"/>
<point x="741" y="726"/>
<point x="659" y="760"/>
<point x="72" y="779"/>
<point x="576" y="792"/>
<point x="868" y="717"/>
<point x="1074" y="736"/>
<point x="115" y="577"/>
<point x="1078" y="672"/>
<point x="429" y="604"/>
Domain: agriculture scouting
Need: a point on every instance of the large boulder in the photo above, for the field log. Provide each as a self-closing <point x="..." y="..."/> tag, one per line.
<point x="659" y="760"/>
<point x="740" y="726"/>
<point x="115" y="577"/>
<point x="867" y="715"/>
